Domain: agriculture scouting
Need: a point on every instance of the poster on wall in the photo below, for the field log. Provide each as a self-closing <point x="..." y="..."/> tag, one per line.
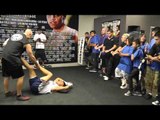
<point x="62" y="40"/>
<point x="114" y="25"/>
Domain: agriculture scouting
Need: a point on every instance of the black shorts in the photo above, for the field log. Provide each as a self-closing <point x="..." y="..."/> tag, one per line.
<point x="9" y="70"/>
<point x="34" y="84"/>
<point x="40" y="53"/>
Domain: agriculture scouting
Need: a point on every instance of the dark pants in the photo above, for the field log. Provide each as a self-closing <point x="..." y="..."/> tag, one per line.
<point x="87" y="57"/>
<point x="109" y="65"/>
<point x="103" y="57"/>
<point x="95" y="59"/>
<point x="40" y="54"/>
<point x="134" y="74"/>
<point x="116" y="59"/>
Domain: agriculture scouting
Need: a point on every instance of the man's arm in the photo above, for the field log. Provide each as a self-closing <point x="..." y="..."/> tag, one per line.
<point x="47" y="73"/>
<point x="114" y="47"/>
<point x="30" y="54"/>
<point x="156" y="58"/>
<point x="5" y="42"/>
<point x="25" y="63"/>
<point x="152" y="53"/>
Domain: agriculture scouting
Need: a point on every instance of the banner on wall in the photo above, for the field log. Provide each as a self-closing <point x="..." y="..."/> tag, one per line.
<point x="61" y="45"/>
<point x="114" y="25"/>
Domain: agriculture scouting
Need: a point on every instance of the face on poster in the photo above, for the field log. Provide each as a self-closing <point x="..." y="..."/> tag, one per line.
<point x="63" y="39"/>
<point x="61" y="32"/>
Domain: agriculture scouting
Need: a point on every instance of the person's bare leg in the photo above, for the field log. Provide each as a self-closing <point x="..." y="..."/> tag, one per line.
<point x="19" y="90"/>
<point x="19" y="85"/>
<point x="32" y="73"/>
<point x="6" y="84"/>
<point x="46" y="72"/>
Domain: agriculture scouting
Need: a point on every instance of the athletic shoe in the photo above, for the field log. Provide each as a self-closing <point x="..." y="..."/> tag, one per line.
<point x="106" y="78"/>
<point x="128" y="93"/>
<point x="87" y="68"/>
<point x="124" y="86"/>
<point x="147" y="96"/>
<point x="136" y="93"/>
<point x="143" y="92"/>
<point x="9" y="94"/>
<point x="156" y="102"/>
<point x="93" y="70"/>
<point x="22" y="98"/>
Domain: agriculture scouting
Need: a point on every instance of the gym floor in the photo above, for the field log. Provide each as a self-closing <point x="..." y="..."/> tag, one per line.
<point x="88" y="89"/>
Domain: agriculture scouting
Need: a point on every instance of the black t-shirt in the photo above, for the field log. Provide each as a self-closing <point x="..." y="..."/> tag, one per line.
<point x="110" y="43"/>
<point x="155" y="50"/>
<point x="14" y="49"/>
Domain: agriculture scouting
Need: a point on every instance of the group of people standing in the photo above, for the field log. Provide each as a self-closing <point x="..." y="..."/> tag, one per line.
<point x="131" y="60"/>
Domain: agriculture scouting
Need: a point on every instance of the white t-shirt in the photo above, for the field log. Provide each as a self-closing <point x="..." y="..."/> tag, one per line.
<point x="40" y="45"/>
<point x="44" y="89"/>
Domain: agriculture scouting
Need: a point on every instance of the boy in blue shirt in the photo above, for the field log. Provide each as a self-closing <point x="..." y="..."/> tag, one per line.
<point x="152" y="69"/>
<point x="136" y="57"/>
<point x="95" y="52"/>
<point x="153" y="84"/>
<point x="125" y="65"/>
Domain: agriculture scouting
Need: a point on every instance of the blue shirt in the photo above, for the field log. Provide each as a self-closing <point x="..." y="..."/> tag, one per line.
<point x="154" y="65"/>
<point x="138" y="56"/>
<point x="152" y="42"/>
<point x="144" y="46"/>
<point x="125" y="63"/>
<point x="95" y="40"/>
<point x="155" y="51"/>
<point x="102" y="38"/>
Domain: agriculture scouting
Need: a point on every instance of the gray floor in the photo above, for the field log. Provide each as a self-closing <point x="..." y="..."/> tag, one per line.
<point x="89" y="89"/>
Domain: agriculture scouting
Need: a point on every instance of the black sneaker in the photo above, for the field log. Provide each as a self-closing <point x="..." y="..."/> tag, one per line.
<point x="9" y="94"/>
<point x="147" y="96"/>
<point x="137" y="93"/>
<point x="87" y="68"/>
<point x="143" y="92"/>
<point x="22" y="98"/>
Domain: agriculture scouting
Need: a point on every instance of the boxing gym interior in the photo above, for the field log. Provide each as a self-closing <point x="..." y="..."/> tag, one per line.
<point x="80" y="60"/>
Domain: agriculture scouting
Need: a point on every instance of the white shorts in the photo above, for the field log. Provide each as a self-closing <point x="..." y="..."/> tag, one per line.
<point x="120" y="73"/>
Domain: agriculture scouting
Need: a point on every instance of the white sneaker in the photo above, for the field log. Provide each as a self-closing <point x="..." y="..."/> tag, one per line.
<point x="156" y="102"/>
<point x="93" y="70"/>
<point x="128" y="93"/>
<point x="124" y="86"/>
<point x="105" y="78"/>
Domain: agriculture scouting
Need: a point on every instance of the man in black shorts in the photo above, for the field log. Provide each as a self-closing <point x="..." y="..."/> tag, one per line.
<point x="11" y="62"/>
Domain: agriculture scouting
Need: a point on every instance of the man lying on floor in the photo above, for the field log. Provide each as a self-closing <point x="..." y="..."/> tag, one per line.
<point x="42" y="85"/>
